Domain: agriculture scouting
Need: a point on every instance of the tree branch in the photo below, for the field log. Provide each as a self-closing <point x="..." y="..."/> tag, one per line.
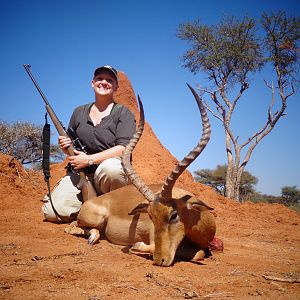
<point x="212" y="112"/>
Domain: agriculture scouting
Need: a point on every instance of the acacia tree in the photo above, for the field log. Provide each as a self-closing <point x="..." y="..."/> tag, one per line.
<point x="217" y="180"/>
<point x="230" y="53"/>
<point x="290" y="194"/>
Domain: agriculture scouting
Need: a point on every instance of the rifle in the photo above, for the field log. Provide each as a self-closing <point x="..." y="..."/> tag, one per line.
<point x="87" y="189"/>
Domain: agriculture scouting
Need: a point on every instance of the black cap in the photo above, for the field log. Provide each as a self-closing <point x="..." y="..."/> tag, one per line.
<point x="107" y="68"/>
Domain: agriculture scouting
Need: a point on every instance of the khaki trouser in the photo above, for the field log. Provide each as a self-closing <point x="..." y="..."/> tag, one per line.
<point x="66" y="197"/>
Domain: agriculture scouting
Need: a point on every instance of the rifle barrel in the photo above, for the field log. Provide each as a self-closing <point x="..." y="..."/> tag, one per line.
<point x="58" y="125"/>
<point x="88" y="190"/>
<point x="27" y="68"/>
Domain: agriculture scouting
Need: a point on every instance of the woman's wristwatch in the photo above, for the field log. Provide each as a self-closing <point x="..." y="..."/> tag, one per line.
<point x="90" y="161"/>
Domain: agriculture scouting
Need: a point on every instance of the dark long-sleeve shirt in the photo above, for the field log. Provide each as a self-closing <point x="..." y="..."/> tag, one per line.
<point x="114" y="129"/>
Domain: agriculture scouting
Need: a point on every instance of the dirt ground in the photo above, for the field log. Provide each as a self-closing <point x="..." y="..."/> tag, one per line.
<point x="261" y="257"/>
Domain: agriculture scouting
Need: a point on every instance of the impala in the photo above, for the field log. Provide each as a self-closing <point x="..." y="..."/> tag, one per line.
<point x="160" y="219"/>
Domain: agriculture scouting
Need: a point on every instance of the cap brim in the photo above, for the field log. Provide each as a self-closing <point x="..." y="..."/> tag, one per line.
<point x="111" y="70"/>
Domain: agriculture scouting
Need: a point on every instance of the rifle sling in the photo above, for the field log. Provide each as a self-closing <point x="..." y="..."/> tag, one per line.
<point x="46" y="167"/>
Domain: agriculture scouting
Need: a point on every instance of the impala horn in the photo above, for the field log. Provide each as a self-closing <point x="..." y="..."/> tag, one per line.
<point x="166" y="191"/>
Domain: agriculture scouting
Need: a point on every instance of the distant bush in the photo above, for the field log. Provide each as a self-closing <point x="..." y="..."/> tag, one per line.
<point x="290" y="194"/>
<point x="262" y="198"/>
<point x="22" y="140"/>
<point x="259" y="199"/>
<point x="295" y="207"/>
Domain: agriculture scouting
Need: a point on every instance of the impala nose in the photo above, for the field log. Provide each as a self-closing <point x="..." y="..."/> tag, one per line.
<point x="159" y="261"/>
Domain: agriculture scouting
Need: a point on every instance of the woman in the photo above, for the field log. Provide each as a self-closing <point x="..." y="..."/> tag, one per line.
<point x="105" y="128"/>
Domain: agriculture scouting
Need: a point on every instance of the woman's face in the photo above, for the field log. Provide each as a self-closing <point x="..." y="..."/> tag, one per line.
<point x="104" y="83"/>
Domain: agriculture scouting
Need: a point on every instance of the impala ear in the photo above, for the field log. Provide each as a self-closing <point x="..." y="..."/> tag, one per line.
<point x="141" y="208"/>
<point x="194" y="203"/>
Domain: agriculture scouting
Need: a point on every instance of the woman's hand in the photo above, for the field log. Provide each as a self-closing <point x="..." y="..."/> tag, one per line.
<point x="79" y="161"/>
<point x="64" y="142"/>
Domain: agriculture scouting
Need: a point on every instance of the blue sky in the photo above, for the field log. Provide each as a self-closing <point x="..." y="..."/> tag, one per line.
<point x="65" y="41"/>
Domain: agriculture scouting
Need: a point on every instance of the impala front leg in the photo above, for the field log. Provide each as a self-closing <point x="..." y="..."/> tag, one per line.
<point x="141" y="247"/>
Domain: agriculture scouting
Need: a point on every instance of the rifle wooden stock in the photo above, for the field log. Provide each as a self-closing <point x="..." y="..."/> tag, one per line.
<point x="87" y="189"/>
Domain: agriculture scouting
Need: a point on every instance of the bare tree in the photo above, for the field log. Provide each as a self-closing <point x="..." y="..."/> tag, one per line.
<point x="22" y="140"/>
<point x="229" y="53"/>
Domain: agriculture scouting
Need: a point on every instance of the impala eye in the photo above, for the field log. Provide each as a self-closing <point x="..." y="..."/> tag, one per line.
<point x="174" y="217"/>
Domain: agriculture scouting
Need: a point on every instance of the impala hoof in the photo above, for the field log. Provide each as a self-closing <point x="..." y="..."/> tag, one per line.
<point x="94" y="236"/>
<point x="199" y="256"/>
